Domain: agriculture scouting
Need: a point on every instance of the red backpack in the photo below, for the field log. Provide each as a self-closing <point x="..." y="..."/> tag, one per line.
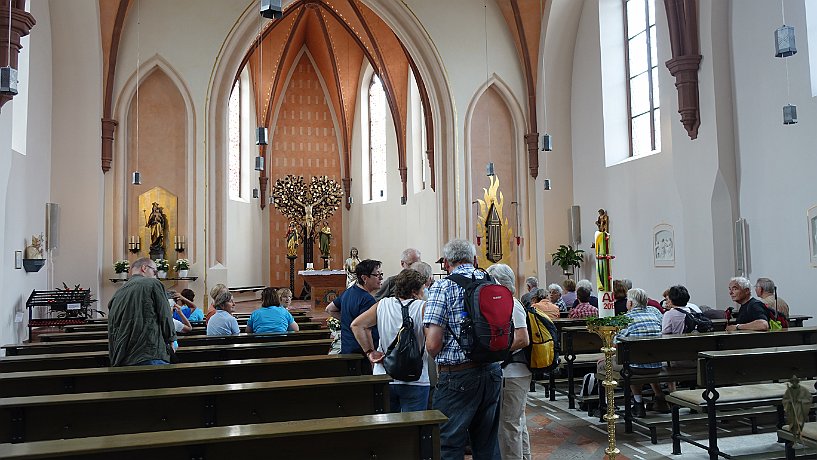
<point x="486" y="328"/>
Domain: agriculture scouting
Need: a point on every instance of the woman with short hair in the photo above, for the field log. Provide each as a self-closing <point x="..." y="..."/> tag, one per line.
<point x="223" y="322"/>
<point x="272" y="317"/>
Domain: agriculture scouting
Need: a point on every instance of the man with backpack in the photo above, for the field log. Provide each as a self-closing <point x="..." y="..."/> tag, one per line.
<point x="467" y="390"/>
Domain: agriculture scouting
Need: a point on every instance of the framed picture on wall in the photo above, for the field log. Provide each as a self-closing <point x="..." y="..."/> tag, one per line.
<point x="811" y="217"/>
<point x="663" y="246"/>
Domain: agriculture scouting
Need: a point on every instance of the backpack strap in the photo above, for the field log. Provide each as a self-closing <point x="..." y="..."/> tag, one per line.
<point x="461" y="280"/>
<point x="404" y="309"/>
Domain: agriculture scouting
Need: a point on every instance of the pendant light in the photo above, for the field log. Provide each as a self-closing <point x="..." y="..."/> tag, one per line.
<point x="785" y="47"/>
<point x="261" y="131"/>
<point x="547" y="141"/>
<point x="137" y="176"/>
<point x="489" y="168"/>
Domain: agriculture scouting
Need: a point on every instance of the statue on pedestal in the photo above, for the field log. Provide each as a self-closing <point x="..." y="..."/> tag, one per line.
<point x="325" y="240"/>
<point x="293" y="240"/>
<point x="157" y="223"/>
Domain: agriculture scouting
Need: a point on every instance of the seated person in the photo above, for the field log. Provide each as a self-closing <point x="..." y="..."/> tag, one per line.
<point x="569" y="295"/>
<point x="272" y="316"/>
<point x="285" y="295"/>
<point x="222" y="322"/>
<point x="752" y="314"/>
<point x="188" y="309"/>
<point x="541" y="300"/>
<point x="594" y="301"/>
<point x="646" y="323"/>
<point x="676" y="304"/>
<point x="181" y="326"/>
<point x="767" y="293"/>
<point x="620" y="294"/>
<point x="584" y="309"/>
<point x="555" y="293"/>
<point x="213" y="294"/>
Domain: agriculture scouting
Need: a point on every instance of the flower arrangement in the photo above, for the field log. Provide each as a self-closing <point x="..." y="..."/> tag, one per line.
<point x="182" y="264"/>
<point x="162" y="265"/>
<point x="121" y="266"/>
<point x="333" y="324"/>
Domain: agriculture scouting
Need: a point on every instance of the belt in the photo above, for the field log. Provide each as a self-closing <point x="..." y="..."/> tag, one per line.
<point x="460" y="367"/>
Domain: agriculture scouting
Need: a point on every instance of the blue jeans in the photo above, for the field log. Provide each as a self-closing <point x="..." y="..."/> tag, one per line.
<point x="151" y="362"/>
<point x="470" y="400"/>
<point x="408" y="398"/>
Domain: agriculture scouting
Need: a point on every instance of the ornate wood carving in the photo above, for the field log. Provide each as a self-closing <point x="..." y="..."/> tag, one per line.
<point x="682" y="19"/>
<point x="21" y="24"/>
<point x="108" y="128"/>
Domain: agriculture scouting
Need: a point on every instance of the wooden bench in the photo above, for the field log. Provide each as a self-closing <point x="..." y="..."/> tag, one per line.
<point x="184" y="354"/>
<point x="78" y="415"/>
<point x="725" y="377"/>
<point x="684" y="347"/>
<point x="580" y="348"/>
<point x="177" y="375"/>
<point x="82" y="346"/>
<point x="402" y="436"/>
<point x="808" y="439"/>
<point x="199" y="327"/>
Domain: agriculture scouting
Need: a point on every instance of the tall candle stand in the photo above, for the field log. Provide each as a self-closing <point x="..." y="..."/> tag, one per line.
<point x="607" y="334"/>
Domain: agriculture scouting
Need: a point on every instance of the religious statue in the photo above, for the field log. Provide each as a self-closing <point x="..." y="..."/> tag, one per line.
<point x="349" y="266"/>
<point x="325" y="240"/>
<point x="157" y="223"/>
<point x="307" y="204"/>
<point x="492" y="226"/>
<point x="35" y="249"/>
<point x="603" y="222"/>
<point x="309" y="219"/>
<point x="292" y="240"/>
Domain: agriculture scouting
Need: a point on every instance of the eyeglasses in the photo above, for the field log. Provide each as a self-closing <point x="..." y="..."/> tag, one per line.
<point x="155" y="270"/>
<point x="378" y="275"/>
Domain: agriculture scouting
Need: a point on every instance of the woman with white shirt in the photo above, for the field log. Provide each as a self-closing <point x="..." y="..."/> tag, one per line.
<point x="387" y="315"/>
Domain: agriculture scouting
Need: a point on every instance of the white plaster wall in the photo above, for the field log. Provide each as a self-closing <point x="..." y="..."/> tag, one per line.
<point x="76" y="182"/>
<point x="24" y="180"/>
<point x="777" y="162"/>
<point x="245" y="257"/>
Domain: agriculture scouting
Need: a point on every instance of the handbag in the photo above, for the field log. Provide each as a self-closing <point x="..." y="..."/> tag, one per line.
<point x="404" y="357"/>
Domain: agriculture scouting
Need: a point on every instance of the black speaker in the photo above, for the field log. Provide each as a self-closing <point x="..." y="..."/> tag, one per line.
<point x="271" y="9"/>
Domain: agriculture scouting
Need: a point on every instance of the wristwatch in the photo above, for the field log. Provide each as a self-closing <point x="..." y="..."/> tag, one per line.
<point x="366" y="353"/>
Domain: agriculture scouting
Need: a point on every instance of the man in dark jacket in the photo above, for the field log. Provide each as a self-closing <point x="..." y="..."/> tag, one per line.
<point x="140" y="329"/>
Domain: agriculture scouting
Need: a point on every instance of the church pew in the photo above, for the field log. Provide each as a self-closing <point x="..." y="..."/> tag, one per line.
<point x="66" y="416"/>
<point x="402" y="436"/>
<point x="177" y="375"/>
<point x="199" y="327"/>
<point x="81" y="346"/>
<point x="184" y="354"/>
<point x="103" y="334"/>
<point x="719" y="372"/>
<point x="685" y="347"/>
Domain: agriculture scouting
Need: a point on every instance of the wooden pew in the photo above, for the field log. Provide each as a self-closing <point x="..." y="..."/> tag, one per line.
<point x="199" y="327"/>
<point x="685" y="347"/>
<point x="98" y="379"/>
<point x="184" y="354"/>
<point x="719" y="371"/>
<point x="41" y="418"/>
<point x="82" y="346"/>
<point x="403" y="436"/>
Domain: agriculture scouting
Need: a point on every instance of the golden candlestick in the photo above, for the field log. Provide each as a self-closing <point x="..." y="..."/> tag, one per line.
<point x="607" y="334"/>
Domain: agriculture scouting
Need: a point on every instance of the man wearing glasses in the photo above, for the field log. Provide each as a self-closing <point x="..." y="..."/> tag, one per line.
<point x="140" y="326"/>
<point x="355" y="301"/>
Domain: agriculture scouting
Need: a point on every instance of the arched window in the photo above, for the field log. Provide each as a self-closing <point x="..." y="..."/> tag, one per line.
<point x="377" y="140"/>
<point x="238" y="149"/>
<point x="641" y="61"/>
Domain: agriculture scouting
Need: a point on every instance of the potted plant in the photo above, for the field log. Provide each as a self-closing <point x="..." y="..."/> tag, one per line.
<point x="182" y="266"/>
<point x="163" y="266"/>
<point x="121" y="268"/>
<point x="567" y="258"/>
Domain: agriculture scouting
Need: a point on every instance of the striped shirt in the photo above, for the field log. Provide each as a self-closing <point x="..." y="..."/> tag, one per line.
<point x="584" y="310"/>
<point x="646" y="323"/>
<point x="444" y="308"/>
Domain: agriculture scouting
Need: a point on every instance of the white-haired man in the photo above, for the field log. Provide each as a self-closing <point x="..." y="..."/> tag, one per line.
<point x="752" y="313"/>
<point x="408" y="257"/>
<point x="467" y="392"/>
<point x="532" y="284"/>
<point x="767" y="293"/>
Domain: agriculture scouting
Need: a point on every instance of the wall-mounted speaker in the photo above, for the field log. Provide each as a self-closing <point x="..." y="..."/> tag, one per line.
<point x="742" y="248"/>
<point x="575" y="225"/>
<point x="52" y="226"/>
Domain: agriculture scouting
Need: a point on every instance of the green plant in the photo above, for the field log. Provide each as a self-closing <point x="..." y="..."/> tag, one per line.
<point x="121" y="266"/>
<point x="567" y="257"/>
<point x="182" y="264"/>
<point x="162" y="265"/>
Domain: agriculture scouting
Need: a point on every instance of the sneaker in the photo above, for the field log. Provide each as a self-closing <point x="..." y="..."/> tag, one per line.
<point x="638" y="410"/>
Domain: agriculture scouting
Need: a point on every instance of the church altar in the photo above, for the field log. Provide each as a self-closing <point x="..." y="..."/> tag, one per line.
<point x="326" y="285"/>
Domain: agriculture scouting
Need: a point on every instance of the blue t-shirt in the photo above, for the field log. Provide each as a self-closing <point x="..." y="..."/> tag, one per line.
<point x="270" y="319"/>
<point x="196" y="315"/>
<point x="222" y="323"/>
<point x="352" y="303"/>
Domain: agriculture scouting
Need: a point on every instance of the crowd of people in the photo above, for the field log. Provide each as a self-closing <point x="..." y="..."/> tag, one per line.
<point x="484" y="402"/>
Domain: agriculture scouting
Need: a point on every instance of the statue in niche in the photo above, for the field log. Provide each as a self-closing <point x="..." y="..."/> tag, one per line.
<point x="493" y="235"/>
<point x="325" y="240"/>
<point x="157" y="223"/>
<point x="35" y="249"/>
<point x="293" y="240"/>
